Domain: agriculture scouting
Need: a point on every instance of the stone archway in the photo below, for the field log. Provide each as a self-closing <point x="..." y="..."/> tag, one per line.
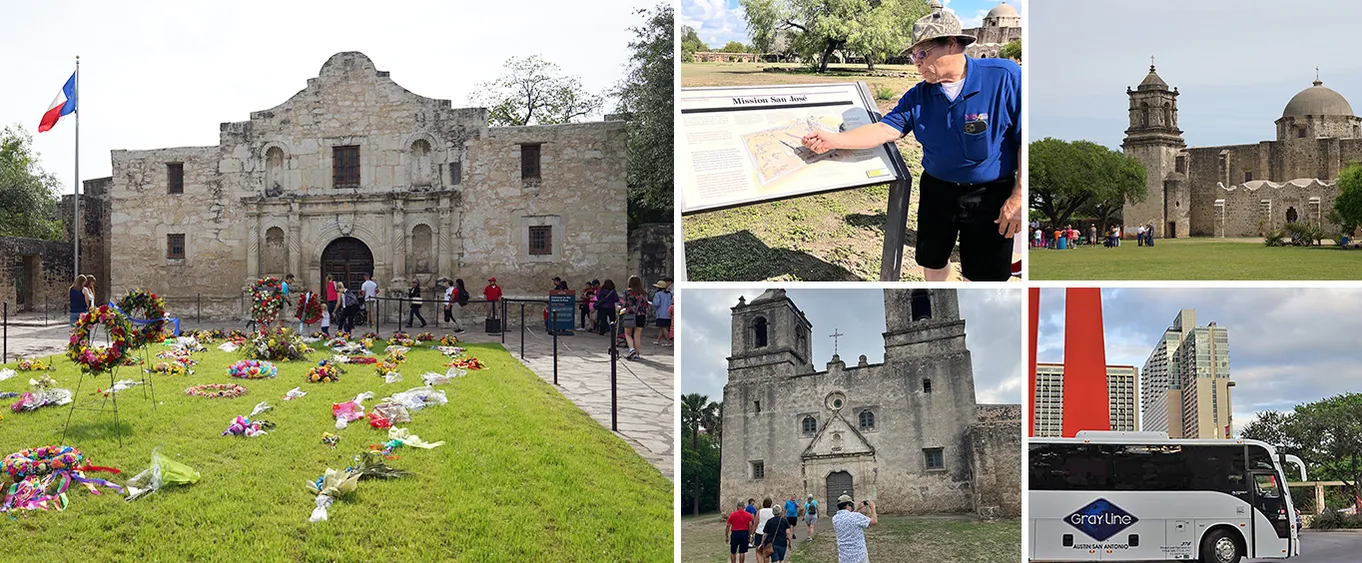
<point x="346" y="259"/>
<point x="839" y="483"/>
<point x="1291" y="215"/>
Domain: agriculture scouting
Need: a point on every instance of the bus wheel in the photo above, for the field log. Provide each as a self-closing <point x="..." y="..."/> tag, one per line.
<point x="1220" y="547"/>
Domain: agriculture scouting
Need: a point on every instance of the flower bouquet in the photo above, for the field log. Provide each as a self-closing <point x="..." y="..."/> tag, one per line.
<point x="282" y="343"/>
<point x="34" y="365"/>
<point x="363" y="360"/>
<point x="170" y="368"/>
<point x="449" y="340"/>
<point x="425" y="337"/>
<point x="324" y="372"/>
<point x="252" y="369"/>
<point x="468" y="363"/>
<point x="396" y="356"/>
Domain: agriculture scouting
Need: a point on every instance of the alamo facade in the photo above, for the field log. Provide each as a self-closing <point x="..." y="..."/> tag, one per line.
<point x="356" y="174"/>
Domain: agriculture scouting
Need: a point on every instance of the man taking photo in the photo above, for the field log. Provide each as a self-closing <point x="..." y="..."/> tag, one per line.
<point x="850" y="528"/>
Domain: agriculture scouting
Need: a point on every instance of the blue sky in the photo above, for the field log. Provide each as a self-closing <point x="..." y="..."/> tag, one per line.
<point x="719" y="21"/>
<point x="1287" y="346"/>
<point x="160" y="73"/>
<point x="992" y="332"/>
<point x="1231" y="63"/>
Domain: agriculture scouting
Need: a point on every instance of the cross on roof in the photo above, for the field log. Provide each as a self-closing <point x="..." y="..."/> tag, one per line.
<point x="834" y="336"/>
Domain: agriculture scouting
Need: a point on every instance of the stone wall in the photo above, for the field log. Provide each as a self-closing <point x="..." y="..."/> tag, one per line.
<point x="35" y="275"/>
<point x="995" y="445"/>
<point x="651" y="252"/>
<point x="1245" y="214"/>
<point x="721" y="57"/>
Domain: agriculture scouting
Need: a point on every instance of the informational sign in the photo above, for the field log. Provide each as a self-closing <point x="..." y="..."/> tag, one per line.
<point x="562" y="306"/>
<point x="741" y="145"/>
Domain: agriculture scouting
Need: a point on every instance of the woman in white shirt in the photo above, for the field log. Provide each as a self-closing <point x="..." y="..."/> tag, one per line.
<point x="766" y="513"/>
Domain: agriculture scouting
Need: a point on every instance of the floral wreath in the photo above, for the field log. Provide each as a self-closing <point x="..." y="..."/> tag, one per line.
<point x="216" y="390"/>
<point x="309" y="308"/>
<point x="267" y="300"/>
<point x="170" y="368"/>
<point x="36" y="364"/>
<point x="153" y="310"/>
<point x="97" y="359"/>
<point x="252" y="369"/>
<point x="41" y="460"/>
<point x="449" y="340"/>
<point x="469" y="363"/>
<point x="425" y="337"/>
<point x="325" y="371"/>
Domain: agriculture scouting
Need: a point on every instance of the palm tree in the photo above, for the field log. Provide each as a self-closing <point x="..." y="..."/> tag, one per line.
<point x="693" y="409"/>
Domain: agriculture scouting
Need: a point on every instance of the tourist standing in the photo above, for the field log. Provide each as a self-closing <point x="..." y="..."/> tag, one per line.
<point x="751" y="506"/>
<point x="79" y="305"/>
<point x="764" y="515"/>
<point x="1039" y="238"/>
<point x="415" y="294"/>
<point x="460" y="296"/>
<point x="606" y="300"/>
<point x="339" y="307"/>
<point x="850" y="528"/>
<point x="1149" y="235"/>
<point x="326" y="323"/>
<point x="370" y="290"/>
<point x="88" y="292"/>
<point x="492" y="293"/>
<point x="738" y="534"/>
<point x="559" y="284"/>
<point x="584" y="304"/>
<point x="967" y="115"/>
<point x="662" y="303"/>
<point x="792" y="515"/>
<point x="1139" y="236"/>
<point x="775" y="536"/>
<point x="1092" y="235"/>
<point x="330" y="290"/>
<point x="635" y="310"/>
<point x="811" y="514"/>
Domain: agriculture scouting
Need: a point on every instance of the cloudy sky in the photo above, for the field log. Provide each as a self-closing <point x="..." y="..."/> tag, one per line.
<point x="160" y="74"/>
<point x="1287" y="346"/>
<point x="1234" y="63"/>
<point x="719" y="21"/>
<point x="992" y="331"/>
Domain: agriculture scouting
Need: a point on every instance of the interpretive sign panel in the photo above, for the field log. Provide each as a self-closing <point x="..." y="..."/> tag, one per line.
<point x="743" y="144"/>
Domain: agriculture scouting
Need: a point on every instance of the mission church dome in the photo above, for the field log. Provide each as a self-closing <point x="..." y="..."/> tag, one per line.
<point x="1003" y="11"/>
<point x="1317" y="100"/>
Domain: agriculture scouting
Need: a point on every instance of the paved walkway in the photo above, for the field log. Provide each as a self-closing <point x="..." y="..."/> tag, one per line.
<point x="645" y="388"/>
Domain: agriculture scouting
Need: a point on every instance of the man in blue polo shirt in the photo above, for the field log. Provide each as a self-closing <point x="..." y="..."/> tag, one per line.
<point x="966" y="113"/>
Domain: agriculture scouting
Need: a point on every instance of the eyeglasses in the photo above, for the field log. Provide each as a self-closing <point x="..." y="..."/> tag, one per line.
<point x="921" y="54"/>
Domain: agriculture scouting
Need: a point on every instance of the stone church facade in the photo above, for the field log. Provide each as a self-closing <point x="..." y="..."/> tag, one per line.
<point x="356" y="174"/>
<point x="1239" y="190"/>
<point x="906" y="433"/>
<point x="1001" y="26"/>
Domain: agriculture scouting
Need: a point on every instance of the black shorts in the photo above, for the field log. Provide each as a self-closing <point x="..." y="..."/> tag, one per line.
<point x="664" y="323"/>
<point x="737" y="541"/>
<point x="792" y="520"/>
<point x="947" y="210"/>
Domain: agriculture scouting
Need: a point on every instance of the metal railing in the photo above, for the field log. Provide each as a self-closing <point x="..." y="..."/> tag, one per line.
<point x="612" y="325"/>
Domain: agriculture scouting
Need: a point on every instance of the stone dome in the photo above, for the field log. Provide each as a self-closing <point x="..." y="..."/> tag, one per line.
<point x="1003" y="11"/>
<point x="1152" y="81"/>
<point x="1317" y="100"/>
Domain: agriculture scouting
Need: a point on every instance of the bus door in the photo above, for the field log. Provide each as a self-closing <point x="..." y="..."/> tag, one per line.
<point x="1270" y="500"/>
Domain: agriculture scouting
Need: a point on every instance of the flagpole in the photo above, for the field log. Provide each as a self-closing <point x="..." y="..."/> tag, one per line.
<point x="76" y="218"/>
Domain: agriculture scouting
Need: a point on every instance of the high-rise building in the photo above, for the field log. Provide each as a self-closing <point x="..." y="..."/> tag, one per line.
<point x="1049" y="399"/>
<point x="1185" y="385"/>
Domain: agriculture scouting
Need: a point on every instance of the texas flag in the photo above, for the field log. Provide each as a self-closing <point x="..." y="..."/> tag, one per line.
<point x="63" y="105"/>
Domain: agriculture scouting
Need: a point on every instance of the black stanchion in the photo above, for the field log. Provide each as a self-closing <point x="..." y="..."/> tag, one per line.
<point x="555" y="347"/>
<point x="4" y="359"/>
<point x="501" y="321"/>
<point x="614" y="357"/>
<point x="522" y="331"/>
<point x="198" y="304"/>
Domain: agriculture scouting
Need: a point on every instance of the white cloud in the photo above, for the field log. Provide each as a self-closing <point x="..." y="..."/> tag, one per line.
<point x="715" y="22"/>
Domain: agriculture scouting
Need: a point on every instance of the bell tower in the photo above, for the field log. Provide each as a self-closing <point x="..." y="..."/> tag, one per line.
<point x="770" y="330"/>
<point x="922" y="322"/>
<point x="1153" y="139"/>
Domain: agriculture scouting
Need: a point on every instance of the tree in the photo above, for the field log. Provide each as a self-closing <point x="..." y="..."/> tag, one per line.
<point x="1348" y="204"/>
<point x="533" y="91"/>
<point x="734" y="47"/>
<point x="1012" y="50"/>
<point x="691" y="44"/>
<point x="875" y="29"/>
<point x="29" y="205"/>
<point x="646" y="99"/>
<point x="699" y="413"/>
<point x="1326" y="434"/>
<point x="1067" y="176"/>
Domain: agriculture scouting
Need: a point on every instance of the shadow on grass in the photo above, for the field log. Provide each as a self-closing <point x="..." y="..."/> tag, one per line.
<point x="98" y="425"/>
<point x="741" y="256"/>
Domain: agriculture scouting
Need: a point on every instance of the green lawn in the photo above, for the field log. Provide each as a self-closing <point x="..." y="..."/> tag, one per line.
<point x="524" y="476"/>
<point x="1197" y="259"/>
<point x="894" y="538"/>
<point x="938" y="540"/>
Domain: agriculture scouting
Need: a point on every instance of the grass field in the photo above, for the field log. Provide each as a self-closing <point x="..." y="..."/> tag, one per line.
<point x="524" y="475"/>
<point x="894" y="538"/>
<point x="835" y="236"/>
<point x="1197" y="259"/>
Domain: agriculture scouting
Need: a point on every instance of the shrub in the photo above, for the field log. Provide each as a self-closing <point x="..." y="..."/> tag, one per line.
<point x="884" y="92"/>
<point x="1275" y="237"/>
<point x="1332" y="519"/>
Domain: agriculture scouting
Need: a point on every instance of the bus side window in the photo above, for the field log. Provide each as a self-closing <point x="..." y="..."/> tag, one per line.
<point x="1266" y="485"/>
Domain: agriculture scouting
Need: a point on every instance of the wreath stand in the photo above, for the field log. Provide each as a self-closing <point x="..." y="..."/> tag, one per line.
<point x="113" y="372"/>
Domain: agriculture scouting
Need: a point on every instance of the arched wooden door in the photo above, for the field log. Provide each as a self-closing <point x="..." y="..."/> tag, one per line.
<point x="346" y="259"/>
<point x="839" y="483"/>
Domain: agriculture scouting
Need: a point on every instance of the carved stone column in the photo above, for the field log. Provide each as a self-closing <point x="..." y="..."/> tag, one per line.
<point x="443" y="247"/>
<point x="295" y="227"/>
<point x="252" y="240"/>
<point x="398" y="238"/>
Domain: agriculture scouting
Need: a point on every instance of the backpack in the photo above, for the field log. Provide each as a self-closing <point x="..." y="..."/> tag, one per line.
<point x="463" y="296"/>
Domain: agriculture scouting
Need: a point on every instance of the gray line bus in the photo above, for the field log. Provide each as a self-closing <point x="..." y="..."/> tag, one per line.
<point x="1140" y="496"/>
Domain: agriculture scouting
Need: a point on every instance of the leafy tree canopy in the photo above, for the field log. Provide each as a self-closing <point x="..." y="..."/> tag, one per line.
<point x="533" y="91"/>
<point x="874" y="29"/>
<point x="646" y="100"/>
<point x="29" y="204"/>
<point x="1066" y="176"/>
